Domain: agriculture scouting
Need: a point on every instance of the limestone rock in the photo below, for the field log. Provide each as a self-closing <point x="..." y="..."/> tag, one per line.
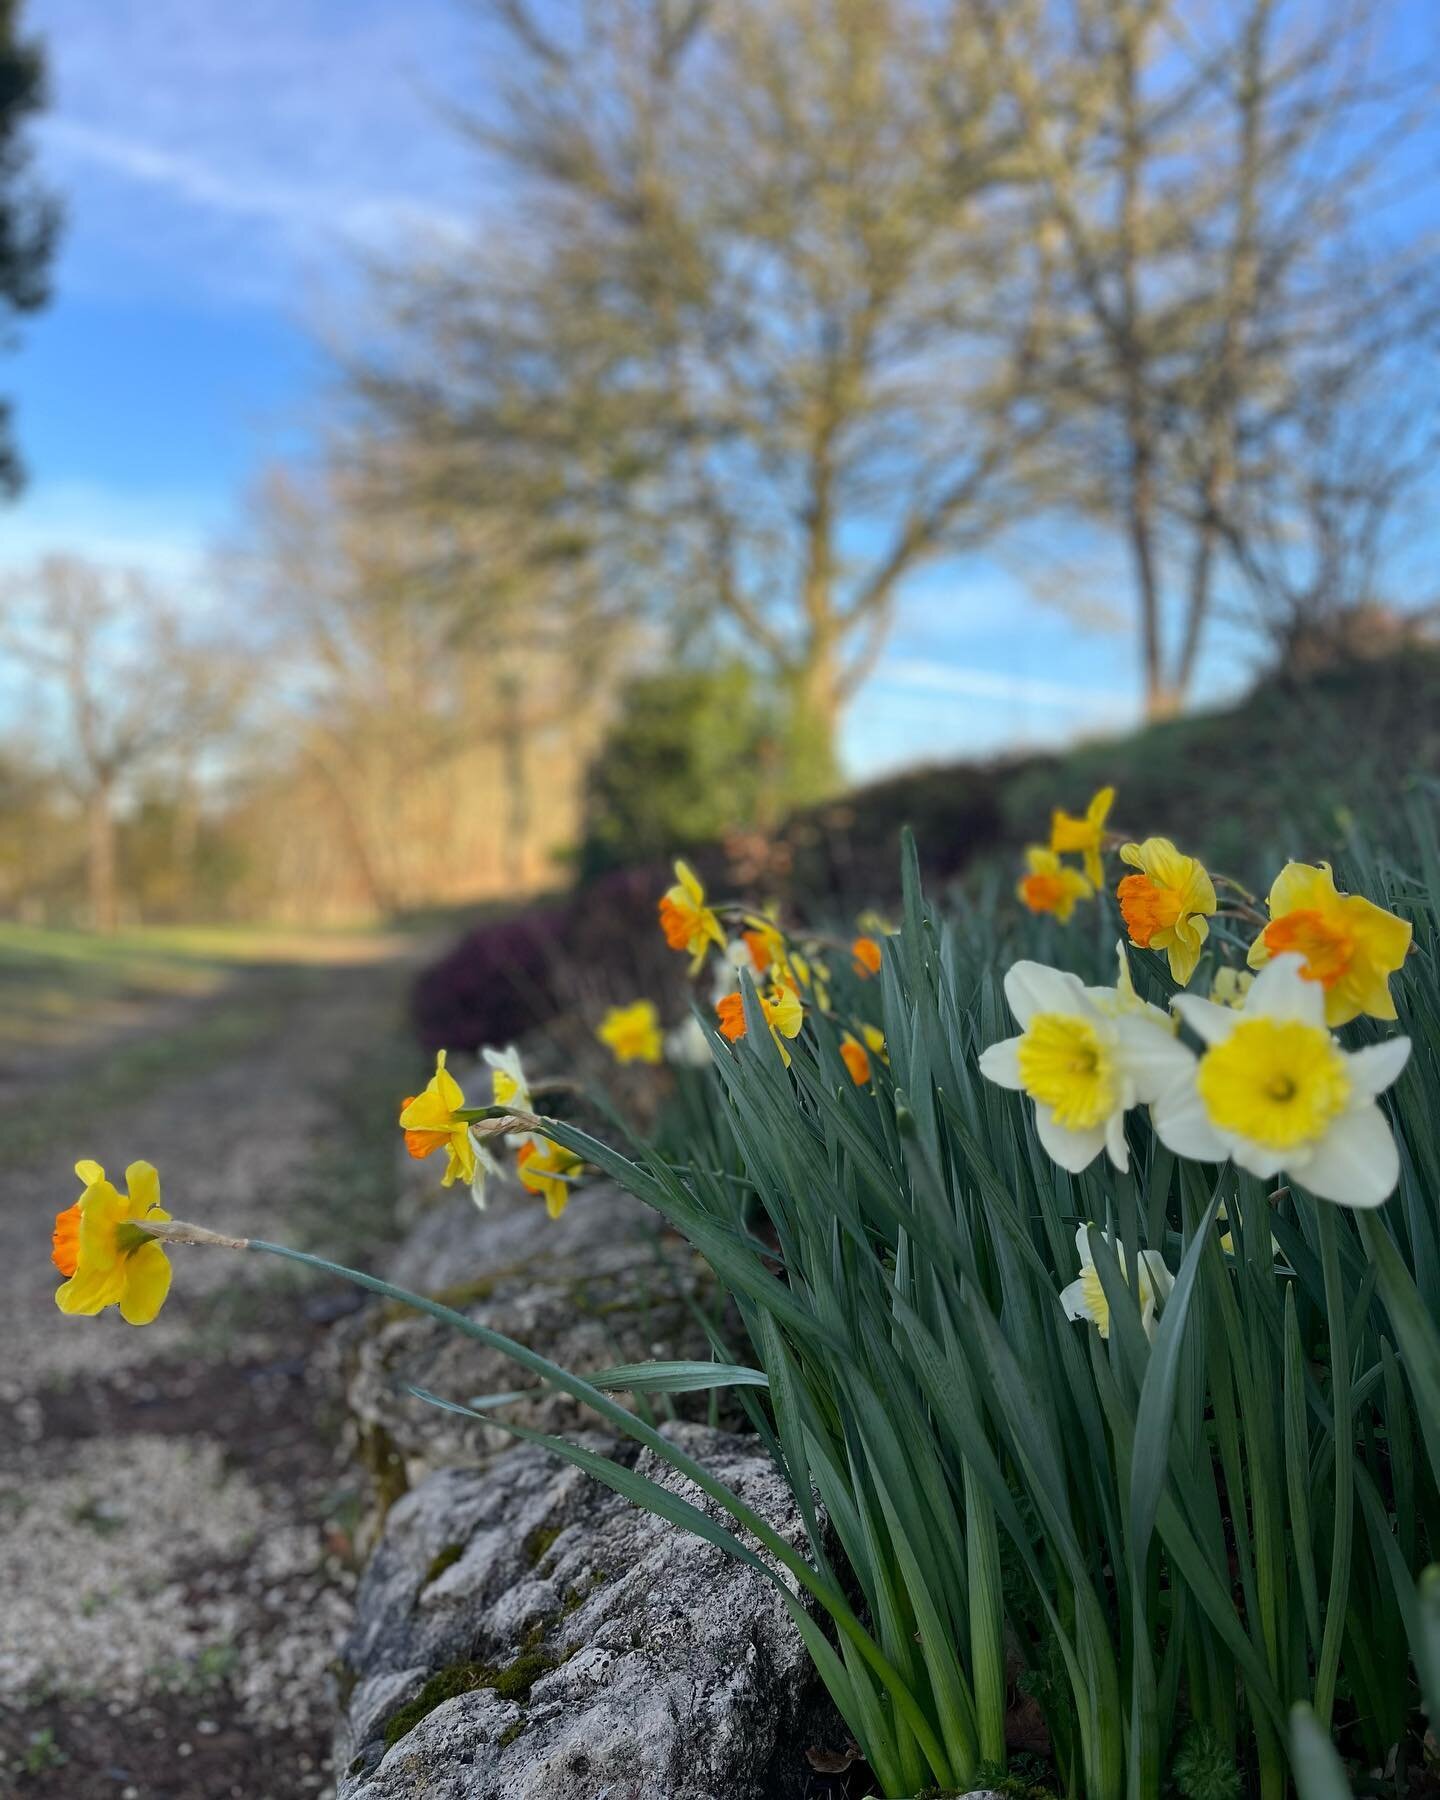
<point x="524" y="1632"/>
<point x="603" y="1284"/>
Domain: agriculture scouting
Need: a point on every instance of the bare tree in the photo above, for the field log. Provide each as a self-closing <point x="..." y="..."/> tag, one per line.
<point x="1201" y="176"/>
<point x="1319" y="533"/>
<point x="118" y="685"/>
<point x="759" y="344"/>
<point x="410" y="640"/>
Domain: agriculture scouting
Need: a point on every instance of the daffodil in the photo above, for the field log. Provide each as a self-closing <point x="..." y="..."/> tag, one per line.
<point x="865" y="957"/>
<point x="1085" y="1296"/>
<point x="1165" y="906"/>
<point x="1085" y="1056"/>
<point x="764" y="941"/>
<point x="1227" y="1237"/>
<point x="687" y="1045"/>
<point x="429" y="1123"/>
<point x="632" y="1033"/>
<point x="781" y="1006"/>
<point x="549" y="1170"/>
<point x="1085" y="837"/>
<point x="1350" y="946"/>
<point x="1275" y="1091"/>
<point x="1231" y="985"/>
<point x="858" y="1052"/>
<point x="1051" y="887"/>
<point x="688" y="923"/>
<point x="508" y="1083"/>
<point x="101" y="1246"/>
<point x="800" y="972"/>
<point x="1122" y="998"/>
<point x="510" y="1086"/>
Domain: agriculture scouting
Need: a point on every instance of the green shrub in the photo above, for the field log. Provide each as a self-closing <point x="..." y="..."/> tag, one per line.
<point x="693" y="753"/>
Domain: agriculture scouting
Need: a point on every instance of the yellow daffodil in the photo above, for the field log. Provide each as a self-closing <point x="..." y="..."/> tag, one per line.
<point x="1275" y="1091"/>
<point x="1085" y="1296"/>
<point x="1051" y="887"/>
<point x="1084" y="1056"/>
<point x="688" y="923"/>
<point x="1085" y="837"/>
<point x="781" y="1006"/>
<point x="1165" y="906"/>
<point x="857" y="1054"/>
<point x="865" y="957"/>
<point x="799" y="972"/>
<point x="1350" y="946"/>
<point x="1230" y="986"/>
<point x="548" y="1170"/>
<point x="632" y="1033"/>
<point x="429" y="1123"/>
<point x="100" y="1245"/>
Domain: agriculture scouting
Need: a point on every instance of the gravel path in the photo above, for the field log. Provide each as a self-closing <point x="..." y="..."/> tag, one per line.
<point x="175" y="1559"/>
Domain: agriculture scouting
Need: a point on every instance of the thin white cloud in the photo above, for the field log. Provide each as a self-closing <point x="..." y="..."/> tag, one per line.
<point x="164" y="536"/>
<point x="917" y="675"/>
<point x="241" y="153"/>
<point x="364" y="217"/>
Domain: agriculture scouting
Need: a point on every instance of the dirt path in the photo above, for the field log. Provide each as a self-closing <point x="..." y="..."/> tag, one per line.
<point x="175" y="1562"/>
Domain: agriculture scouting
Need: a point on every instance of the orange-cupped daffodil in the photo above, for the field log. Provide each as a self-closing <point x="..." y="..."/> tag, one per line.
<point x="783" y="1011"/>
<point x="858" y="1052"/>
<point x="1166" y="906"/>
<point x="101" y="1246"/>
<point x="688" y="923"/>
<point x="549" y="1170"/>
<point x="865" y="957"/>
<point x="1350" y="946"/>
<point x="1051" y="887"/>
<point x="429" y="1123"/>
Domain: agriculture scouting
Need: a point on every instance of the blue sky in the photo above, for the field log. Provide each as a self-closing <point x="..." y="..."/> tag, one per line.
<point x="221" y="162"/>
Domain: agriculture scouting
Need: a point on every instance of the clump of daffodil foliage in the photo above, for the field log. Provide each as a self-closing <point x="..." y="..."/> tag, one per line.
<point x="1087" y="1251"/>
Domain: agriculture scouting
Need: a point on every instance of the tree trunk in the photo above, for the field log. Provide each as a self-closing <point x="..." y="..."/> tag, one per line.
<point x="812" y="768"/>
<point x="100" y="858"/>
<point x="516" y="766"/>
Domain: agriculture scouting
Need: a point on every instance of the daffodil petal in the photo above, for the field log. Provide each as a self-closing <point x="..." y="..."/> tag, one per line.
<point x="1182" y="1125"/>
<point x="1356" y="1162"/>
<point x="147" y="1282"/>
<point x="1072" y="1300"/>
<point x="1073" y="1150"/>
<point x="1001" y="1063"/>
<point x="1282" y="992"/>
<point x="1115" y="1144"/>
<point x="142" y="1179"/>
<point x="1212" y="1024"/>
<point x="1031" y="988"/>
<point x="1375" y="1067"/>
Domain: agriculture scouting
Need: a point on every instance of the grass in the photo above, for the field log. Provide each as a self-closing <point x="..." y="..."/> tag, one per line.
<point x="117" y="1016"/>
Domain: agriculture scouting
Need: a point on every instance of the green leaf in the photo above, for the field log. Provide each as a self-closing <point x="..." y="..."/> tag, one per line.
<point x="1319" y="1773"/>
<point x="676" y="1377"/>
